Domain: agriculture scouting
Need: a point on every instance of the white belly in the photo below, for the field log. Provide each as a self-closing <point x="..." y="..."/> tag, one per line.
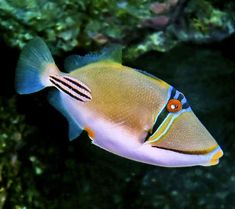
<point x="116" y="139"/>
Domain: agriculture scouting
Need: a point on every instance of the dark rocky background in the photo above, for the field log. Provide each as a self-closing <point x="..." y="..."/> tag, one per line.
<point x="189" y="44"/>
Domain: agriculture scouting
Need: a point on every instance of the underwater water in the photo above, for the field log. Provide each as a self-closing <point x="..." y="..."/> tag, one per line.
<point x="40" y="168"/>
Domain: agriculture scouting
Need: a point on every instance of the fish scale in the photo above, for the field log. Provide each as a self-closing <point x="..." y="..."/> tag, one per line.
<point x="125" y="111"/>
<point x="121" y="102"/>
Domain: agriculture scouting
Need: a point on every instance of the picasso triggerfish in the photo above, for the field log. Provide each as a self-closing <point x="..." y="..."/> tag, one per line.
<point x="124" y="111"/>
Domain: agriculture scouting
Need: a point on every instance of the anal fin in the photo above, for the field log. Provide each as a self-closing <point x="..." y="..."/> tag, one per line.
<point x="55" y="100"/>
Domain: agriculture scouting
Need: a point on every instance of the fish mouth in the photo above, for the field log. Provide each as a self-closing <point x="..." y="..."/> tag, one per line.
<point x="211" y="156"/>
<point x="217" y="154"/>
<point x="195" y="152"/>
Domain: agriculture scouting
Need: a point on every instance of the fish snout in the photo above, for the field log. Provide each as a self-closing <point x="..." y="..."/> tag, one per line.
<point x="188" y="136"/>
<point x="215" y="156"/>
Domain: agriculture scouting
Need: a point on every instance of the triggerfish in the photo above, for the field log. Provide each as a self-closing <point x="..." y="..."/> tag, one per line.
<point x="123" y="110"/>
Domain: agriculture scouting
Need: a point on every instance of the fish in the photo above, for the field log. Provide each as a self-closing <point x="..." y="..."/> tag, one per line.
<point x="125" y="111"/>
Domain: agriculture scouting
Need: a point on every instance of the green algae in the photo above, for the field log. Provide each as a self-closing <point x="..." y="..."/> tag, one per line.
<point x="142" y="27"/>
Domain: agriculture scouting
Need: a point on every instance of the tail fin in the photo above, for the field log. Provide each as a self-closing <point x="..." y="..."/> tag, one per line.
<point x="34" y="67"/>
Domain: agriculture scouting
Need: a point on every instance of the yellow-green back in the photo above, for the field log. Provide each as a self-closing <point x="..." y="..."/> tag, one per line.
<point x="123" y="95"/>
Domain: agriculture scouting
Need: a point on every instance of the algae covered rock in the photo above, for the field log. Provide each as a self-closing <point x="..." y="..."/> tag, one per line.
<point x="185" y="21"/>
<point x="148" y="25"/>
<point x="53" y="20"/>
<point x="67" y="24"/>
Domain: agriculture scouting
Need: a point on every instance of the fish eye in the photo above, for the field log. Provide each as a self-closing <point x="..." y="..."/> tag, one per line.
<point x="174" y="105"/>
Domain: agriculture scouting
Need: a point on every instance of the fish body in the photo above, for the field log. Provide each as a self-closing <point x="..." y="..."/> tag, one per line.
<point x="123" y="110"/>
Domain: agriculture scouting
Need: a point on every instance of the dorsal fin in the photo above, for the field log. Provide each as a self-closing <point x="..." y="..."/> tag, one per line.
<point x="113" y="53"/>
<point x="147" y="73"/>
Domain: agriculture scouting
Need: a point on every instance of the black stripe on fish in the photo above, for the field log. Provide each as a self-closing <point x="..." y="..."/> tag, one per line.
<point x="165" y="112"/>
<point x="173" y="92"/>
<point x="157" y="123"/>
<point x="180" y="97"/>
<point x="160" y="118"/>
<point x="185" y="105"/>
<point x="60" y="81"/>
<point x="64" y="90"/>
<point x="196" y="152"/>
<point x="75" y="82"/>
<point x="70" y="87"/>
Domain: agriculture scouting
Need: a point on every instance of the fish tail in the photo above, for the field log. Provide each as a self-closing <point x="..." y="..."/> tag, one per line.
<point x="34" y="67"/>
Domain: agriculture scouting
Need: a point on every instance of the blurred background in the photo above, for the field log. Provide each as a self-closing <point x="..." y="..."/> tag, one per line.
<point x="190" y="44"/>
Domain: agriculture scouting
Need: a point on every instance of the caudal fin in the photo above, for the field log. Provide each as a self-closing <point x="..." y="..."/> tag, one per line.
<point x="34" y="67"/>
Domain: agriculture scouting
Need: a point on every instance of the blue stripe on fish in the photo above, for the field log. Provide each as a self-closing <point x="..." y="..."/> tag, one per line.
<point x="164" y="113"/>
<point x="180" y="97"/>
<point x="172" y="90"/>
<point x="161" y="115"/>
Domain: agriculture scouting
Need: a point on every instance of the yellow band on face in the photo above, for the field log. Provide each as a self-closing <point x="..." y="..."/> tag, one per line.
<point x="185" y="134"/>
<point x="162" y="130"/>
